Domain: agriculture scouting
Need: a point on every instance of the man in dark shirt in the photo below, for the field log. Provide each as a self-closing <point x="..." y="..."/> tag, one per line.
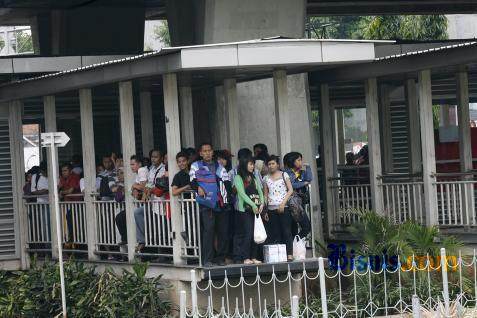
<point x="181" y="181"/>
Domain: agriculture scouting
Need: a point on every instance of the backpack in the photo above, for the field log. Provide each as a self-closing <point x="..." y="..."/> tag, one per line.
<point x="104" y="189"/>
<point x="207" y="181"/>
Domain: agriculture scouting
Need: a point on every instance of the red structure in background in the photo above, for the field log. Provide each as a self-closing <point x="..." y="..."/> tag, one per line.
<point x="449" y="151"/>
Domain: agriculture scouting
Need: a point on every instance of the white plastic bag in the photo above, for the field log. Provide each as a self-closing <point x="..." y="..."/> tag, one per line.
<point x="299" y="248"/>
<point x="259" y="233"/>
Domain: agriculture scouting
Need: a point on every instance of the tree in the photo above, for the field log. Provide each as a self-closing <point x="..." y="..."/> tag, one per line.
<point x="24" y="43"/>
<point x="161" y="33"/>
<point x="410" y="27"/>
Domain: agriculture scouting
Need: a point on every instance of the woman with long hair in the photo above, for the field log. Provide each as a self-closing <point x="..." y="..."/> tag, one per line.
<point x="250" y="203"/>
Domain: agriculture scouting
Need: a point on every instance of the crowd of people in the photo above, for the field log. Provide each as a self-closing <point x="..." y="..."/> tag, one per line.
<point x="229" y="197"/>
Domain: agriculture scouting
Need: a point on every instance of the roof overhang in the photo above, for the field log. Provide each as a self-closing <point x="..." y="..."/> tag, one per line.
<point x="244" y="61"/>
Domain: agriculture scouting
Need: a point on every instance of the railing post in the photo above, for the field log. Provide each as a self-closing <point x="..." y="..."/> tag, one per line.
<point x="294" y="307"/>
<point x="193" y="293"/>
<point x="324" y="304"/>
<point x="445" y="284"/>
<point x="182" y="304"/>
<point x="416" y="307"/>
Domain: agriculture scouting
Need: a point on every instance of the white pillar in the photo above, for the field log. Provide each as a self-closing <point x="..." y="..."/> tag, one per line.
<point x="187" y="117"/>
<point x="386" y="142"/>
<point x="327" y="155"/>
<point x="340" y="136"/>
<point x="219" y="128"/>
<point x="465" y="144"/>
<point x="282" y="112"/>
<point x="374" y="144"/>
<point x="232" y="116"/>
<point x="414" y="127"/>
<point x="173" y="137"/>
<point x="89" y="167"/>
<point x="147" y="126"/>
<point x="18" y="170"/>
<point x="50" y="126"/>
<point x="128" y="141"/>
<point x="428" y="151"/>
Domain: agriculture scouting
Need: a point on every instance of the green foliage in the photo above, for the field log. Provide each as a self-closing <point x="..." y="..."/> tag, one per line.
<point x="37" y="292"/>
<point x="24" y="42"/>
<point x="408" y="27"/>
<point x="161" y="32"/>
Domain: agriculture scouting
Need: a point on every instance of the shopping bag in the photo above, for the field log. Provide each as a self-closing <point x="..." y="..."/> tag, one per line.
<point x="259" y="233"/>
<point x="299" y="248"/>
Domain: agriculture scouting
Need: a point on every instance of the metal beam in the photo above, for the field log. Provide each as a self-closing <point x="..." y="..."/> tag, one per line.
<point x="400" y="65"/>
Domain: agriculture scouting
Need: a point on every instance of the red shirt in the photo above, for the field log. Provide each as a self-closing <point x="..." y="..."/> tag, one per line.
<point x="73" y="181"/>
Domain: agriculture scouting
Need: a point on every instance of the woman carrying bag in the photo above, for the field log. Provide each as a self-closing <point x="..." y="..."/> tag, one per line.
<point x="250" y="205"/>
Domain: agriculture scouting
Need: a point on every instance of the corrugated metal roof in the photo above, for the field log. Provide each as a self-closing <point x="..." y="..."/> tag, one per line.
<point x="441" y="48"/>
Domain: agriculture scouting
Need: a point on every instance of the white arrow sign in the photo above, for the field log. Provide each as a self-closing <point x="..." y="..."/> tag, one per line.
<point x="58" y="139"/>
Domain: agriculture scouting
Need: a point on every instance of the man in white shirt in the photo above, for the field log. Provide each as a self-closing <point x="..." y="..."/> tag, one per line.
<point x="39" y="184"/>
<point x="137" y="190"/>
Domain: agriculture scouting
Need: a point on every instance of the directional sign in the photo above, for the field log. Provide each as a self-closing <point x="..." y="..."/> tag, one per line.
<point x="58" y="139"/>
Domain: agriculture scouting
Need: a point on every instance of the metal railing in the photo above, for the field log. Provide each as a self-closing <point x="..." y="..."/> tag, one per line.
<point x="190" y="226"/>
<point x="107" y="234"/>
<point x="349" y="196"/>
<point x="456" y="199"/>
<point x="414" y="286"/>
<point x="39" y="235"/>
<point x="73" y="215"/>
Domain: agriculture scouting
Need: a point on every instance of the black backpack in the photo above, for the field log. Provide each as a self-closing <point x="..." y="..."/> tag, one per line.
<point x="104" y="189"/>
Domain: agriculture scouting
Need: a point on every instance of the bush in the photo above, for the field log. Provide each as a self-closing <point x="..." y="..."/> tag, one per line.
<point x="37" y="292"/>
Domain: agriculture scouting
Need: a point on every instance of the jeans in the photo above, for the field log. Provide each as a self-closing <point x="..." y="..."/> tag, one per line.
<point x="213" y="223"/>
<point x="120" y="221"/>
<point x="244" y="246"/>
<point x="140" y="226"/>
<point x="281" y="229"/>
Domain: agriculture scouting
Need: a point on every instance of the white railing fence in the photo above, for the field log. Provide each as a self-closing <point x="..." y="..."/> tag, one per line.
<point x="39" y="235"/>
<point x="456" y="199"/>
<point x="349" y="195"/>
<point x="107" y="233"/>
<point x="73" y="215"/>
<point x="403" y="198"/>
<point x="416" y="286"/>
<point x="190" y="226"/>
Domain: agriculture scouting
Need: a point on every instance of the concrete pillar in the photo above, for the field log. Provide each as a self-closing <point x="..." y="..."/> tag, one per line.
<point x="15" y="109"/>
<point x="374" y="145"/>
<point x="414" y="127"/>
<point x="219" y="126"/>
<point x="282" y="112"/>
<point x="428" y="150"/>
<point x="386" y="135"/>
<point x="147" y="126"/>
<point x="327" y="155"/>
<point x="173" y="136"/>
<point x="128" y="141"/>
<point x="340" y="136"/>
<point x="187" y="117"/>
<point x="465" y="143"/>
<point x="232" y="117"/>
<point x="49" y="109"/>
<point x="89" y="167"/>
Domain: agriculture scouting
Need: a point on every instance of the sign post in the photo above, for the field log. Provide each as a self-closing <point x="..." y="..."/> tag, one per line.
<point x="54" y="140"/>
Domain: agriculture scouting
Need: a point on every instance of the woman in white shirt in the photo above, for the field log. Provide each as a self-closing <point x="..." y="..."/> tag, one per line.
<point x="277" y="190"/>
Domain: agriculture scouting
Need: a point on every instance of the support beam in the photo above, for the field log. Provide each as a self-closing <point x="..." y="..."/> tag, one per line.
<point x="187" y="117"/>
<point x="128" y="141"/>
<point x="89" y="167"/>
<point x="232" y="116"/>
<point x="173" y="137"/>
<point x="414" y="127"/>
<point x="327" y="155"/>
<point x="282" y="112"/>
<point x="49" y="109"/>
<point x="147" y="126"/>
<point x="218" y="127"/>
<point x="428" y="150"/>
<point x="15" y="109"/>
<point x="386" y="141"/>
<point x="340" y="137"/>
<point x="465" y="143"/>
<point x="374" y="145"/>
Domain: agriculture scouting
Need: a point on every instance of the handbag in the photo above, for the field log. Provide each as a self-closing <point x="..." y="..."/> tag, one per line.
<point x="259" y="233"/>
<point x="299" y="248"/>
<point x="295" y="204"/>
